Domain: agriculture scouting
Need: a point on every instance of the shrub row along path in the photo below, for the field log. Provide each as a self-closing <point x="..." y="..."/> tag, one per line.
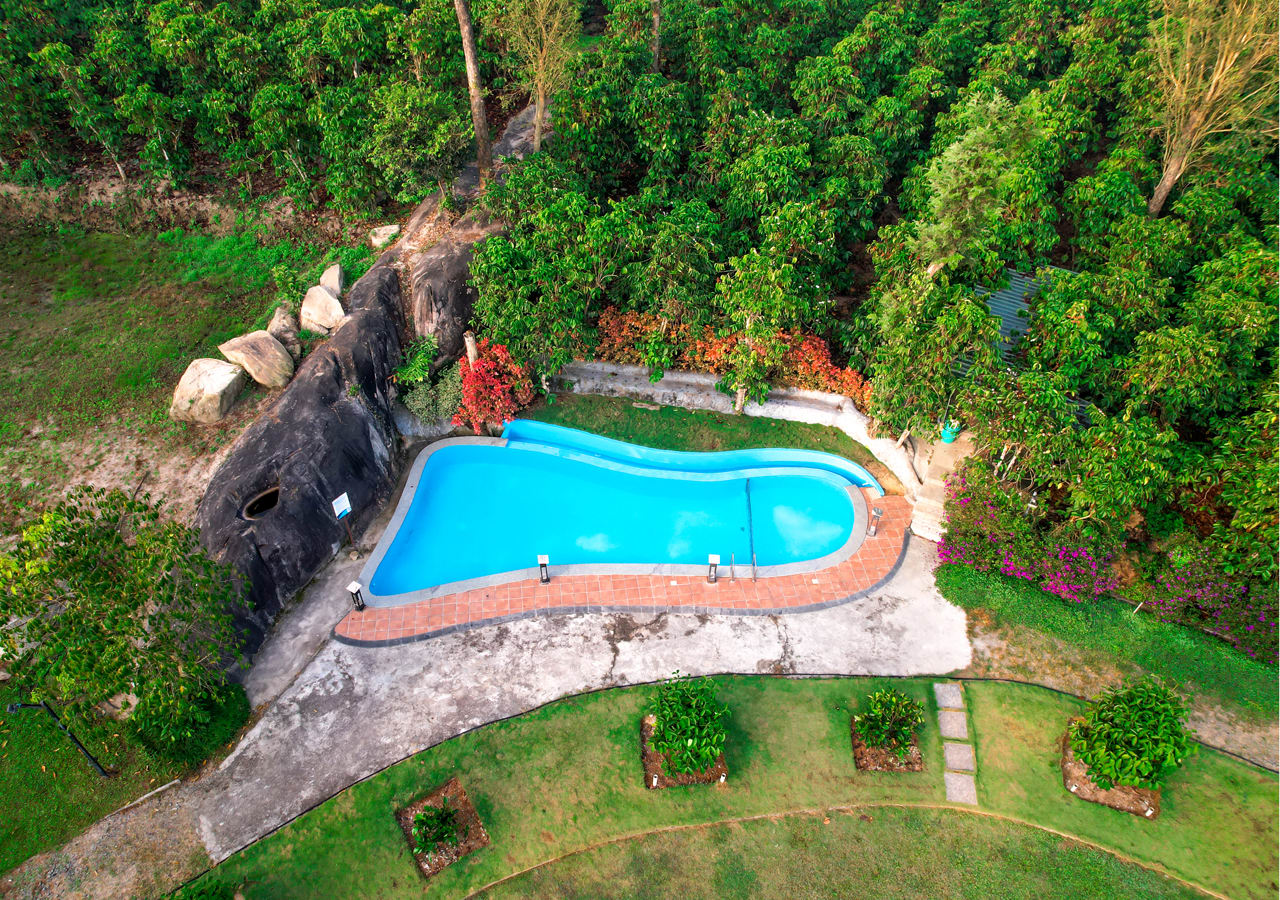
<point x="352" y="711"/>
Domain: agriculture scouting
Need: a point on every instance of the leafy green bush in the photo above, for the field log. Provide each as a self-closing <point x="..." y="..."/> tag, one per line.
<point x="890" y="721"/>
<point x="1132" y="735"/>
<point x="220" y="716"/>
<point x="690" y="725"/>
<point x="418" y="357"/>
<point x="438" y="399"/>
<point x="434" y="826"/>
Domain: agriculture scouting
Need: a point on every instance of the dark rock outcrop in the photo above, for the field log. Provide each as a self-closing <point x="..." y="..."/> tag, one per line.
<point x="442" y="298"/>
<point x="330" y="432"/>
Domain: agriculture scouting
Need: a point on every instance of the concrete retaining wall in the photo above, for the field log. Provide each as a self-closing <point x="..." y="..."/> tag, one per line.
<point x="697" y="390"/>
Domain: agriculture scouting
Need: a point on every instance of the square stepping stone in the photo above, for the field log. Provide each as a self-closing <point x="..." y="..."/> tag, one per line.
<point x="959" y="757"/>
<point x="961" y="788"/>
<point x="953" y="725"/>
<point x="948" y="696"/>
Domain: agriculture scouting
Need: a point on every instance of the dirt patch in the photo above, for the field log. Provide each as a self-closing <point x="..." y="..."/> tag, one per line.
<point x="1141" y="802"/>
<point x="473" y="835"/>
<point x="656" y="776"/>
<point x="1024" y="654"/>
<point x="884" y="759"/>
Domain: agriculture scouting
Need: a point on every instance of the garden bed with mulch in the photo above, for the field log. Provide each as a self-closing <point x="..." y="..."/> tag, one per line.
<point x="884" y="759"/>
<point x="655" y="769"/>
<point x="1141" y="802"/>
<point x="472" y="833"/>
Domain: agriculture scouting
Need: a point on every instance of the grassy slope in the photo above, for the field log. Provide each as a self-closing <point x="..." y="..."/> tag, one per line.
<point x="568" y="776"/>
<point x="48" y="791"/>
<point x="97" y="327"/>
<point x="674" y="428"/>
<point x="1198" y="663"/>
<point x="888" y="853"/>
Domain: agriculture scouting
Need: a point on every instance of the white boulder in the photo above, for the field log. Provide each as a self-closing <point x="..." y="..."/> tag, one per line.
<point x="382" y="235"/>
<point x="207" y="391"/>
<point x="262" y="356"/>
<point x="284" y="328"/>
<point x="334" y="279"/>
<point x="321" y="311"/>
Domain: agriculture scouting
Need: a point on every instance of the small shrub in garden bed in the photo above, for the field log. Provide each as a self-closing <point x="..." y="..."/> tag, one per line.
<point x="494" y="389"/>
<point x="1126" y="746"/>
<point x="442" y="827"/>
<point x="886" y="732"/>
<point x="683" y="736"/>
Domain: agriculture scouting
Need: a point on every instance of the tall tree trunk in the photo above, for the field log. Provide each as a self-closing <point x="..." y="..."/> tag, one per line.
<point x="479" y="123"/>
<point x="655" y="41"/>
<point x="1173" y="170"/>
<point x="539" y="111"/>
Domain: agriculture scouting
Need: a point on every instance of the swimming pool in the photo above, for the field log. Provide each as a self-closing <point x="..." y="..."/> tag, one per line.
<point x="479" y="511"/>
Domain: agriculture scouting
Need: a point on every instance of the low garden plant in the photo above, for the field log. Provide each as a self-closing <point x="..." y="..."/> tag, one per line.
<point x="429" y="396"/>
<point x="890" y="721"/>
<point x="1132" y="735"/>
<point x="434" y="826"/>
<point x="690" y="724"/>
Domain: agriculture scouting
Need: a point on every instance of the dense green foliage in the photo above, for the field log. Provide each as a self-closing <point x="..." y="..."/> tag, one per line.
<point x="1132" y="735"/>
<point x="346" y="101"/>
<point x="436" y="825"/>
<point x="689" y="724"/>
<point x="863" y="171"/>
<point x="889" y="720"/>
<point x="102" y="599"/>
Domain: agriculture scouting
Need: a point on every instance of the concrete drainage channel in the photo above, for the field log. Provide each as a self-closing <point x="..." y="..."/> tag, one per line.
<point x="959" y="760"/>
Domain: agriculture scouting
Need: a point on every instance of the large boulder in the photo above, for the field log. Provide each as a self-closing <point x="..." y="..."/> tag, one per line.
<point x="262" y="356"/>
<point x="266" y="511"/>
<point x="321" y="311"/>
<point x="442" y="298"/>
<point x="284" y="328"/>
<point x="334" y="279"/>
<point x="207" y="391"/>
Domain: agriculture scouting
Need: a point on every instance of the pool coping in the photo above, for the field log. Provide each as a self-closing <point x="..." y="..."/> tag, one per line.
<point x="851" y="546"/>
<point x="637" y="609"/>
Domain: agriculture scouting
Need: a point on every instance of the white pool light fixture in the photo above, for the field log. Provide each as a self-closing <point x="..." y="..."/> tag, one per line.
<point x="544" y="576"/>
<point x="876" y="514"/>
<point x="713" y="561"/>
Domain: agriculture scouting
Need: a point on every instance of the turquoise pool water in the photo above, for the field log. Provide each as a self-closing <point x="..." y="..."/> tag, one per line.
<point x="473" y="510"/>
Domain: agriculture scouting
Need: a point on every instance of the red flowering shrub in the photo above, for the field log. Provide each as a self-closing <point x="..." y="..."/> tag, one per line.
<point x="494" y="389"/>
<point x="806" y="362"/>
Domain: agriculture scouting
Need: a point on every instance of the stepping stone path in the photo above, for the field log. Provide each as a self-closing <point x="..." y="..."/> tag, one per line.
<point x="957" y="751"/>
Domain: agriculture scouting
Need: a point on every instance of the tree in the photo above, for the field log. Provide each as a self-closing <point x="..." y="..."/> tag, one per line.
<point x="479" y="121"/>
<point x="90" y="114"/>
<point x="542" y="34"/>
<point x="967" y="181"/>
<point x="101" y="598"/>
<point x="419" y="136"/>
<point x="1216" y="62"/>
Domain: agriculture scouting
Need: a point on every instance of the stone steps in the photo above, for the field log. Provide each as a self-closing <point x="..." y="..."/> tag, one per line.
<point x="960" y="762"/>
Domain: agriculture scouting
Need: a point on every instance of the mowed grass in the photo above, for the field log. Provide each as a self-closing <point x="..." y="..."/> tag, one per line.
<point x="567" y="777"/>
<point x="884" y="853"/>
<point x="1218" y="819"/>
<point x="49" y="792"/>
<point x="675" y="428"/>
<point x="1197" y="663"/>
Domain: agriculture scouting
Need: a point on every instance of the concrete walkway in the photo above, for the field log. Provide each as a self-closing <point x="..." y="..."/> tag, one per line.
<point x="338" y="713"/>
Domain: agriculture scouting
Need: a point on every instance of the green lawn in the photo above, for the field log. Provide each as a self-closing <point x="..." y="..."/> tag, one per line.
<point x="1199" y="664"/>
<point x="49" y="792"/>
<point x="96" y="328"/>
<point x="568" y="777"/>
<point x="885" y="853"/>
<point x="675" y="428"/>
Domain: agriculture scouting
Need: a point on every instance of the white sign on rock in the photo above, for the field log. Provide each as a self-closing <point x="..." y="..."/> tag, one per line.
<point x="342" y="506"/>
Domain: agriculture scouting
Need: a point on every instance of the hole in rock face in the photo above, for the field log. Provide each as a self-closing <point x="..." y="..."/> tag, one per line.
<point x="261" y="504"/>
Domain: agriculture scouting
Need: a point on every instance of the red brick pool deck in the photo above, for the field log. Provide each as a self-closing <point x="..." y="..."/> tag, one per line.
<point x="873" y="563"/>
